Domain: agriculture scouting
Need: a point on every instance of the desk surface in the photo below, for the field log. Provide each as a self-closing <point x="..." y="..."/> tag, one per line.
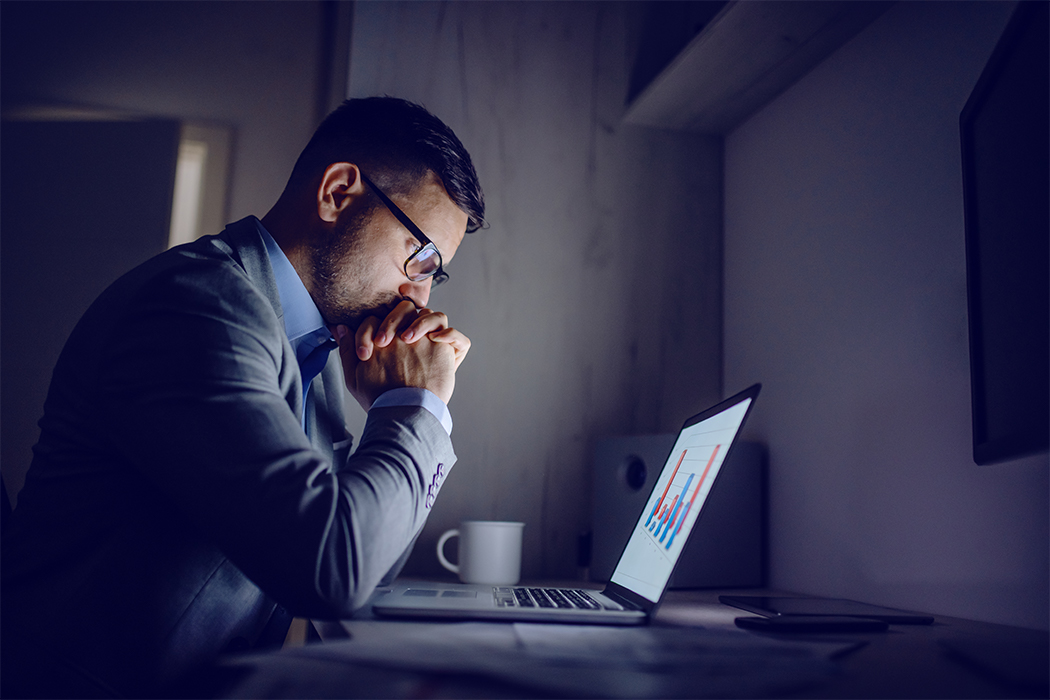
<point x="365" y="657"/>
<point x="912" y="661"/>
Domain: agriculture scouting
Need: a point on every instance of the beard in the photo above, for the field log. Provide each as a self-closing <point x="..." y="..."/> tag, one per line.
<point x="342" y="271"/>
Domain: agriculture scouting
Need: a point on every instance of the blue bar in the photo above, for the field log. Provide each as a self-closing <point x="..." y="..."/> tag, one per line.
<point x="677" y="507"/>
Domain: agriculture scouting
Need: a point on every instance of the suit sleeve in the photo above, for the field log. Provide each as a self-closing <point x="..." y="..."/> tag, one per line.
<point x="197" y="395"/>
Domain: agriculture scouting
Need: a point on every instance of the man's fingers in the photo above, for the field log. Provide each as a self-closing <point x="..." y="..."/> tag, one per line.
<point x="349" y="354"/>
<point x="459" y="342"/>
<point x="348" y="351"/>
<point x="403" y="313"/>
<point x="365" y="338"/>
<point x="427" y="322"/>
<point x="426" y="364"/>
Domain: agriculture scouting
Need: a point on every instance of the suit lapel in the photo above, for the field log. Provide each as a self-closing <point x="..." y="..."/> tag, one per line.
<point x="249" y="250"/>
<point x="325" y="412"/>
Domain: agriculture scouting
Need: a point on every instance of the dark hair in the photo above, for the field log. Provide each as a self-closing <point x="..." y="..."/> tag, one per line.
<point x="396" y="143"/>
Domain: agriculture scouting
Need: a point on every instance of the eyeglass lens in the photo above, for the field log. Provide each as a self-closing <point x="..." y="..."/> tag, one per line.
<point x="424" y="263"/>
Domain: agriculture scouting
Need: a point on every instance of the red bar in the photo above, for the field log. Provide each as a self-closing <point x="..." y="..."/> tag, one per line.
<point x="695" y="491"/>
<point x="706" y="469"/>
<point x="670" y="508"/>
<point x="667" y="488"/>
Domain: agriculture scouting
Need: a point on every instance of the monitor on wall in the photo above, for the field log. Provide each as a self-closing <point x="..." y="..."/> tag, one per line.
<point x="1005" y="129"/>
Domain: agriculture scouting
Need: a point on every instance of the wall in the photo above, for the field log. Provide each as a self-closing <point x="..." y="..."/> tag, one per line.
<point x="593" y="300"/>
<point x="845" y="294"/>
<point x="64" y="243"/>
<point x="250" y="66"/>
<point x="241" y="65"/>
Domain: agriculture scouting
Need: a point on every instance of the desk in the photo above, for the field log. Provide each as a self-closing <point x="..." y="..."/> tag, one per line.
<point x="366" y="657"/>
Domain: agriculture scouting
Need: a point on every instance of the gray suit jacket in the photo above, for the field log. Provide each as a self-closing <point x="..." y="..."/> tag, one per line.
<point x="174" y="497"/>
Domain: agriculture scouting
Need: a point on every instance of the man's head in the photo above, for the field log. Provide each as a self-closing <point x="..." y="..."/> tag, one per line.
<point x="396" y="143"/>
<point x="351" y="248"/>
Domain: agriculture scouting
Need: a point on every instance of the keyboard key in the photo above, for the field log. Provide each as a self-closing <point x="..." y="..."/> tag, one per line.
<point x="581" y="600"/>
<point x="541" y="598"/>
<point x="522" y="596"/>
<point x="558" y="598"/>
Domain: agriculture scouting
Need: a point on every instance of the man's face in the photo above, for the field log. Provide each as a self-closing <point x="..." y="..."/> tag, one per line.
<point x="360" y="270"/>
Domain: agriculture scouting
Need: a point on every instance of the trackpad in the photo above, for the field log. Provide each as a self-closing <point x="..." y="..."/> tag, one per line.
<point x="459" y="594"/>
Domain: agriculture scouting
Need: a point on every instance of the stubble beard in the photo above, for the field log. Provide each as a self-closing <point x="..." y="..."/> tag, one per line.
<point x="341" y="270"/>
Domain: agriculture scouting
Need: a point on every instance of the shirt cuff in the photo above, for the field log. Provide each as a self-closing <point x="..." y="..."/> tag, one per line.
<point x="414" y="396"/>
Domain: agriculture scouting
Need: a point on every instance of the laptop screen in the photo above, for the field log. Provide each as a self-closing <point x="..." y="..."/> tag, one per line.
<point x="678" y="497"/>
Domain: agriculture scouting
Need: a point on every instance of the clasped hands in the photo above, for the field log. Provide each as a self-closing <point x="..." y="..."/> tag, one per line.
<point x="409" y="348"/>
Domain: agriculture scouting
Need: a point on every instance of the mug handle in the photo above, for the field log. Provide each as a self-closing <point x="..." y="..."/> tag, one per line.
<point x="454" y="532"/>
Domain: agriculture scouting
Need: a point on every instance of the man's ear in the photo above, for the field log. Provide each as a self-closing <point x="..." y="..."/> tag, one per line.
<point x="341" y="183"/>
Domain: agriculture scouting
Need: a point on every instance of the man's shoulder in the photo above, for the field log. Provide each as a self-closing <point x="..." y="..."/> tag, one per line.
<point x="200" y="299"/>
<point x="237" y="251"/>
<point x="223" y="274"/>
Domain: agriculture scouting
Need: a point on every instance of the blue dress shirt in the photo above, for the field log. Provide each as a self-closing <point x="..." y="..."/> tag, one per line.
<point x="306" y="331"/>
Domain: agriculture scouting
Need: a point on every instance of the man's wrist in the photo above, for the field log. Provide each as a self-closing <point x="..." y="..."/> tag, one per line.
<point x="415" y="396"/>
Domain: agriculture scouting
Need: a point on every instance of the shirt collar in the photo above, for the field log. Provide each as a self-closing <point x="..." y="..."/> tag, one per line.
<point x="303" y="323"/>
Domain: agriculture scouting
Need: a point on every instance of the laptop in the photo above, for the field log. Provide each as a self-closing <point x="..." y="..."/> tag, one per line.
<point x="640" y="579"/>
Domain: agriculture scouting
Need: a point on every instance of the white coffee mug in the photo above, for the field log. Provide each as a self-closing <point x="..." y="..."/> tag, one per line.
<point x="489" y="551"/>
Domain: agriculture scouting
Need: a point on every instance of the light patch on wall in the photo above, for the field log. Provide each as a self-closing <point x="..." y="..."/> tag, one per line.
<point x="189" y="185"/>
<point x="199" y="200"/>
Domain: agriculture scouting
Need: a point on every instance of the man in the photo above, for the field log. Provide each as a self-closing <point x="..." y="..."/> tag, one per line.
<point x="193" y="478"/>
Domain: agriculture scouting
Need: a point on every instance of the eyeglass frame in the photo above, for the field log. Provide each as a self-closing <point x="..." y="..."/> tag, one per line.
<point x="438" y="276"/>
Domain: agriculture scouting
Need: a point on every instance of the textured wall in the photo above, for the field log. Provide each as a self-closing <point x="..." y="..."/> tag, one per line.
<point x="593" y="301"/>
<point x="845" y="293"/>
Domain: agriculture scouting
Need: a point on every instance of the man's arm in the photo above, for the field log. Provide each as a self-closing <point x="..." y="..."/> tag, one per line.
<point x="199" y="397"/>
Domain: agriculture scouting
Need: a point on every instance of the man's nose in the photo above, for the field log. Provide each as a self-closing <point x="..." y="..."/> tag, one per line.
<point x="418" y="292"/>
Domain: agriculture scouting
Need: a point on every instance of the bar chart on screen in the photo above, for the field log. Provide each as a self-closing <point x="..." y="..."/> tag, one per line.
<point x="667" y="516"/>
<point x="677" y="501"/>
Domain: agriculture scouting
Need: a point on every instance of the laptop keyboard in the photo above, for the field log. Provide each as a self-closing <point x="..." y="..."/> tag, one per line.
<point x="524" y="597"/>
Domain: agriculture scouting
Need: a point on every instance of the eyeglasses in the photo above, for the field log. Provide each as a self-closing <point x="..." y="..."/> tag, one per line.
<point x="426" y="261"/>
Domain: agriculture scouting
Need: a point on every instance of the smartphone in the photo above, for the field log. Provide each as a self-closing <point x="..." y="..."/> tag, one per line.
<point x="811" y="623"/>
<point x="771" y="606"/>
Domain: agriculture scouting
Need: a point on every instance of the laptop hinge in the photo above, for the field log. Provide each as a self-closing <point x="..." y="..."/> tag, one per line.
<point x="620" y="600"/>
